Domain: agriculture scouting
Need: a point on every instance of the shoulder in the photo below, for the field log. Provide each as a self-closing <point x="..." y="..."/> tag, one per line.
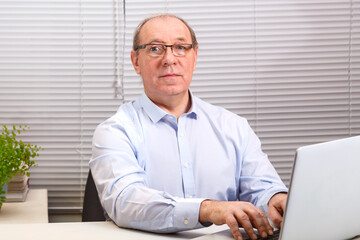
<point x="227" y="125"/>
<point x="124" y="120"/>
<point x="218" y="114"/>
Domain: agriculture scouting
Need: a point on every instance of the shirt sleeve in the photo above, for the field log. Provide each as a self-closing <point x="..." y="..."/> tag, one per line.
<point x="259" y="180"/>
<point x="121" y="183"/>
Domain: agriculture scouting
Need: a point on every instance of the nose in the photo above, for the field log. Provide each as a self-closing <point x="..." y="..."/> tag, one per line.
<point x="168" y="58"/>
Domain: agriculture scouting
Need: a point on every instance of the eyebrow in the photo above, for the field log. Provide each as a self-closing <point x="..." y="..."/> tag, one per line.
<point x="180" y="39"/>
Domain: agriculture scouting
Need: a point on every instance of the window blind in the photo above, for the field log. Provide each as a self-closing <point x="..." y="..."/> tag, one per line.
<point x="60" y="63"/>
<point x="304" y="57"/>
<point x="290" y="67"/>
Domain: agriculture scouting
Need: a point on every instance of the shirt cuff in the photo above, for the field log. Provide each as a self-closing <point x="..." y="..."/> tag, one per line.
<point x="186" y="214"/>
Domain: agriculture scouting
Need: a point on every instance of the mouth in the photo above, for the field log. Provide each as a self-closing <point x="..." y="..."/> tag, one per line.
<point x="170" y="75"/>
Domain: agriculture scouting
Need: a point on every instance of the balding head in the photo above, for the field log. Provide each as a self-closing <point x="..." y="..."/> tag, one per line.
<point x="136" y="40"/>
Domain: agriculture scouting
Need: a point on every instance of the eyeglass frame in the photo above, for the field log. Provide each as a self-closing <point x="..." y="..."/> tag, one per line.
<point x="165" y="46"/>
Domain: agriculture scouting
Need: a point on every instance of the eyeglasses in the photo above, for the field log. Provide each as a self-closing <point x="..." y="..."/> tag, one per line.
<point x="157" y="50"/>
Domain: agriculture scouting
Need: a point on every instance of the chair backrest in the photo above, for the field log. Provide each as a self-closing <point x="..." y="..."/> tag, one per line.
<point x="92" y="209"/>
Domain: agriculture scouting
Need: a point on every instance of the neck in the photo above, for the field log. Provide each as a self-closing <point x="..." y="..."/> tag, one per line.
<point x="174" y="105"/>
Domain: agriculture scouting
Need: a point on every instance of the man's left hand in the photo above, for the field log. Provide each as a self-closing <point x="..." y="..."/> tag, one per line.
<point x="276" y="208"/>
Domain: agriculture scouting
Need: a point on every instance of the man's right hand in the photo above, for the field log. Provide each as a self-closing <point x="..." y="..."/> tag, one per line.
<point x="236" y="214"/>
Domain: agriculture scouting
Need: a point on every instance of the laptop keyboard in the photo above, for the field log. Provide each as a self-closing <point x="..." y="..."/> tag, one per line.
<point x="275" y="236"/>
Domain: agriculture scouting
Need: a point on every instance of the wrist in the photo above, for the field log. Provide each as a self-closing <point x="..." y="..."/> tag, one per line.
<point x="276" y="197"/>
<point x="204" y="211"/>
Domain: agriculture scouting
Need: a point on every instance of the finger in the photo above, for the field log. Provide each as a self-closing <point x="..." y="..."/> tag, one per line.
<point x="245" y="222"/>
<point x="260" y="221"/>
<point x="234" y="228"/>
<point x="283" y="205"/>
<point x="275" y="216"/>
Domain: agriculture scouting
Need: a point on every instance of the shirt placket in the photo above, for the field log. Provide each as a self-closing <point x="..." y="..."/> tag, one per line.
<point x="186" y="161"/>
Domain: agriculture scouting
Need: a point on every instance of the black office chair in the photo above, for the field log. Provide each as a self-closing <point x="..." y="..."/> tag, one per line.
<point x="92" y="209"/>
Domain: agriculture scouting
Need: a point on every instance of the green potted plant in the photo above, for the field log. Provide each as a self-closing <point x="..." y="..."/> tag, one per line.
<point x="15" y="156"/>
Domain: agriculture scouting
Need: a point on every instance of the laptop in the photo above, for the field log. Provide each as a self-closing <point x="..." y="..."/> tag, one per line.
<point x="324" y="194"/>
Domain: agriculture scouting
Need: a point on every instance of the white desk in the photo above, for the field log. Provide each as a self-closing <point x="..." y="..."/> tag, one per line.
<point x="102" y="230"/>
<point x="33" y="210"/>
<point x="91" y="231"/>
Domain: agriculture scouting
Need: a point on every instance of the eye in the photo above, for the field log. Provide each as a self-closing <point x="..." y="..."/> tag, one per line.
<point x="154" y="48"/>
<point x="180" y="47"/>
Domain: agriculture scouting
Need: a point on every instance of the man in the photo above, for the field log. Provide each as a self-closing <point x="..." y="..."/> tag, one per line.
<point x="168" y="161"/>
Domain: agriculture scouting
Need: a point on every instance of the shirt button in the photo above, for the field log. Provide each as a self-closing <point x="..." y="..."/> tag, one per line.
<point x="190" y="196"/>
<point x="186" y="165"/>
<point x="181" y="135"/>
<point x="186" y="222"/>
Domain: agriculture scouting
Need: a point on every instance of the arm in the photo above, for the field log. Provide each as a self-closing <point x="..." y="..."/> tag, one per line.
<point x="259" y="181"/>
<point x="121" y="182"/>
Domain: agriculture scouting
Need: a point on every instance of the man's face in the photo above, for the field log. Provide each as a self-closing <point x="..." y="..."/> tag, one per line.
<point x="165" y="75"/>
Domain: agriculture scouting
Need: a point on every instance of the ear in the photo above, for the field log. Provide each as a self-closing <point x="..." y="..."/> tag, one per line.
<point x="195" y="56"/>
<point x="135" y="61"/>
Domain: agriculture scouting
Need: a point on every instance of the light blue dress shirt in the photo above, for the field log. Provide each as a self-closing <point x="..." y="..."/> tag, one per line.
<point x="152" y="172"/>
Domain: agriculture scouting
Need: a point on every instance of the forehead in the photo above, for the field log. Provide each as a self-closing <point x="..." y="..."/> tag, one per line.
<point x="164" y="29"/>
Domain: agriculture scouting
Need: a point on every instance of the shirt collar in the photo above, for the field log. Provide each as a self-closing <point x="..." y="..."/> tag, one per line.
<point x="156" y="114"/>
<point x="193" y="109"/>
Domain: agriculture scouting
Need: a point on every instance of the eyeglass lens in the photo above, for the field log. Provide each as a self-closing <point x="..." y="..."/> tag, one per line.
<point x="160" y="49"/>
